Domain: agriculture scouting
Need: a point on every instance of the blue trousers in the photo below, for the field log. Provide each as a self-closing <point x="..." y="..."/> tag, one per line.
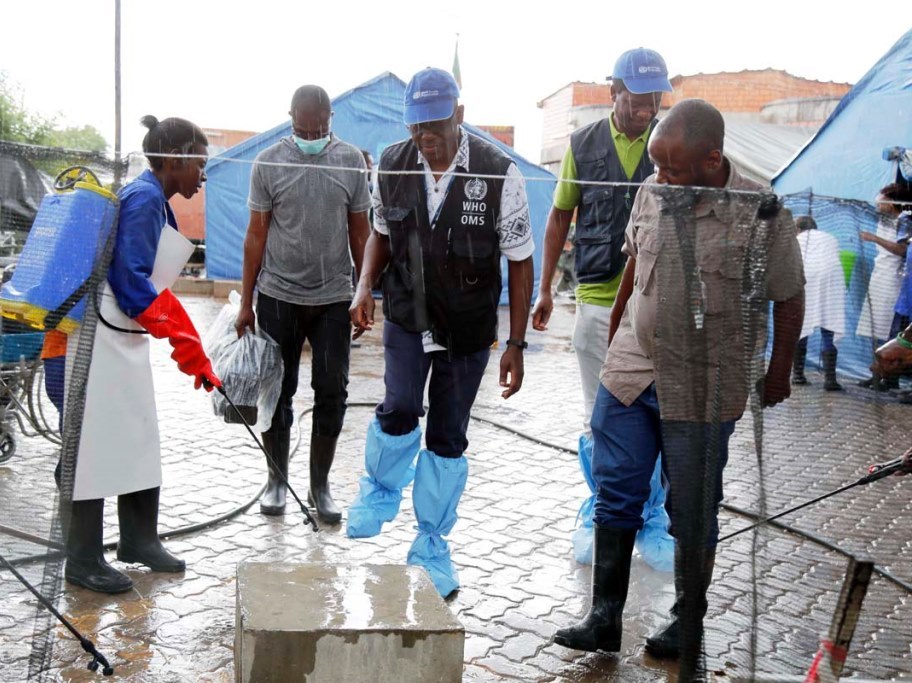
<point x="54" y="373"/>
<point x="627" y="441"/>
<point x="454" y="383"/>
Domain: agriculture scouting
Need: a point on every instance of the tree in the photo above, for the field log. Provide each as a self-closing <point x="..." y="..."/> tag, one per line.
<point x="17" y="124"/>
<point x="87" y="138"/>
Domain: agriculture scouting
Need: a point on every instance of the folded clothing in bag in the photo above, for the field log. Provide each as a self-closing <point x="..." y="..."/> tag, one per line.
<point x="250" y="368"/>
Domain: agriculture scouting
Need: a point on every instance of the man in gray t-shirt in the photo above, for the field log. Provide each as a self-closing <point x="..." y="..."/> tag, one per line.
<point x="309" y="206"/>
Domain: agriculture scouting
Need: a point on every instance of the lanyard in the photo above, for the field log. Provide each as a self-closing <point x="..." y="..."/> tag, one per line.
<point x="446" y="191"/>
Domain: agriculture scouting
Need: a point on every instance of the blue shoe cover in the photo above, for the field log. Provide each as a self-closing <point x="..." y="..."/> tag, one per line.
<point x="388" y="463"/>
<point x="654" y="543"/>
<point x="582" y="535"/>
<point x="439" y="483"/>
<point x="433" y="553"/>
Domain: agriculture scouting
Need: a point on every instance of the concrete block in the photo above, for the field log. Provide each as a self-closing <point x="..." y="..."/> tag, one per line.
<point x="192" y="285"/>
<point x="321" y="622"/>
<point x="222" y="288"/>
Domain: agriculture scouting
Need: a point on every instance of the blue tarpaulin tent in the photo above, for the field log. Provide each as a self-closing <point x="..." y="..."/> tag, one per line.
<point x="845" y="161"/>
<point x="369" y="117"/>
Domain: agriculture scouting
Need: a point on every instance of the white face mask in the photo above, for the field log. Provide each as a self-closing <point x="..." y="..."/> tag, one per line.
<point x="312" y="146"/>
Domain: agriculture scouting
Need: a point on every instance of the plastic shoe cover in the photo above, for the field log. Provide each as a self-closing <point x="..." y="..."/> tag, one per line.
<point x="439" y="483"/>
<point x="582" y="535"/>
<point x="388" y="463"/>
<point x="654" y="543"/>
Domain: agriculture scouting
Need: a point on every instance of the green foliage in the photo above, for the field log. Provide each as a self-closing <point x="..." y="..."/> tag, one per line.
<point x="17" y="124"/>
<point x="87" y="138"/>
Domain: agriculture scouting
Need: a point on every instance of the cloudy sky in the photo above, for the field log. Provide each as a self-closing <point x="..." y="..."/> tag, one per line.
<point x="233" y="65"/>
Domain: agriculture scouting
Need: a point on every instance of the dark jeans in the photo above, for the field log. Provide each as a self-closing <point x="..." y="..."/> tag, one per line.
<point x="54" y="372"/>
<point x="328" y="329"/>
<point x="451" y="392"/>
<point x="626" y="442"/>
<point x="900" y="322"/>
<point x="827" y="341"/>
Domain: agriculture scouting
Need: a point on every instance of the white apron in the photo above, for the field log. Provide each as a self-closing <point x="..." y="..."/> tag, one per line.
<point x="825" y="289"/>
<point x="119" y="448"/>
<point x="883" y="288"/>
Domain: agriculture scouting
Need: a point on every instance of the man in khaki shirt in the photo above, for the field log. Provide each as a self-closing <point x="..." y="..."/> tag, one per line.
<point x="688" y="334"/>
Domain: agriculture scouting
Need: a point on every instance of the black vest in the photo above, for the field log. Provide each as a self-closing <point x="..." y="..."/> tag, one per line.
<point x="604" y="210"/>
<point x="446" y="279"/>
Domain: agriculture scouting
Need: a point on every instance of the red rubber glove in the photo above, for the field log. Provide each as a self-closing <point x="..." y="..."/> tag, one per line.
<point x="166" y="319"/>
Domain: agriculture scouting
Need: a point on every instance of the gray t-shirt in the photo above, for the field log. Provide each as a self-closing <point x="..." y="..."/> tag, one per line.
<point x="307" y="259"/>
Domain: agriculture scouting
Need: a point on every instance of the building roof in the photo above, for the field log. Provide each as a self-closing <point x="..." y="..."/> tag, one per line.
<point x="758" y="149"/>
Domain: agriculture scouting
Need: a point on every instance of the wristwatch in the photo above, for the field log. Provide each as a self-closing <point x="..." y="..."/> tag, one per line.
<point x="520" y="344"/>
<point x="903" y="338"/>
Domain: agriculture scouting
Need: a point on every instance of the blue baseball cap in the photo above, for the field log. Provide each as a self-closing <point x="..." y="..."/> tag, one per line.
<point x="643" y="71"/>
<point x="431" y="95"/>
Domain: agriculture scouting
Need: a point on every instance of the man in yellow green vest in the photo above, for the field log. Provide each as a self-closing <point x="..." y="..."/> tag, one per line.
<point x="599" y="176"/>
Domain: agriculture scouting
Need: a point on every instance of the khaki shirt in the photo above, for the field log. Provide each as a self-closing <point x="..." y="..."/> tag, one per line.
<point x="707" y="264"/>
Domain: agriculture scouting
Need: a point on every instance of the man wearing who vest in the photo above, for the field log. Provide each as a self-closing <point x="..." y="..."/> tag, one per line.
<point x="612" y="150"/>
<point x="447" y="205"/>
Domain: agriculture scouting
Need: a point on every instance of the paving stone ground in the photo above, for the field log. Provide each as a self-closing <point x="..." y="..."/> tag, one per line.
<point x="773" y="594"/>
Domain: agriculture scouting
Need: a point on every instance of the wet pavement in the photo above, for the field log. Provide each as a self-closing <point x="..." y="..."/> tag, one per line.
<point x="773" y="593"/>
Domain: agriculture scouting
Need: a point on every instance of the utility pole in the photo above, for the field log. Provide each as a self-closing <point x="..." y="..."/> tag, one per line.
<point x="118" y="167"/>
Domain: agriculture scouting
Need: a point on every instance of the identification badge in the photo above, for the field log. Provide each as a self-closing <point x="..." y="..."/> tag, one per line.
<point x="427" y="341"/>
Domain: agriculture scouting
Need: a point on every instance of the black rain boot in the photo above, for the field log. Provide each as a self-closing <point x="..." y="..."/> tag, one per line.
<point x="870" y="383"/>
<point x="139" y="541"/>
<point x="666" y="643"/>
<point x="601" y="628"/>
<point x="322" y="453"/>
<point x="889" y="383"/>
<point x="86" y="565"/>
<point x="277" y="444"/>
<point x="798" y="363"/>
<point x="829" y="371"/>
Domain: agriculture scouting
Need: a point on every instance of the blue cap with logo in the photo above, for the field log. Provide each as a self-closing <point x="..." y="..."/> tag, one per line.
<point x="431" y="95"/>
<point x="643" y="71"/>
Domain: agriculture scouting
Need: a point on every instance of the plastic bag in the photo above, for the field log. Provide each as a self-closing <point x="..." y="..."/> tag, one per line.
<point x="250" y="369"/>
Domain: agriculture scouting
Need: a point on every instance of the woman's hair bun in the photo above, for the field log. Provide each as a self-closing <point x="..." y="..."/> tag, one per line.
<point x="149" y="121"/>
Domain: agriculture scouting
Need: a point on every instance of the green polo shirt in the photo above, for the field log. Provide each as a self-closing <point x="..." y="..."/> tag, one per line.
<point x="567" y="198"/>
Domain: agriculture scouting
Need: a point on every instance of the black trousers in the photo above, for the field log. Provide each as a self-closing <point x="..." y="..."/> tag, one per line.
<point x="328" y="329"/>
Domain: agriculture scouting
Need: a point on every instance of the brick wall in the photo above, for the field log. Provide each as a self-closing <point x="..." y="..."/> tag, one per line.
<point x="585" y="94"/>
<point x="506" y="134"/>
<point x="191" y="213"/>
<point x="730" y="92"/>
<point x="749" y="91"/>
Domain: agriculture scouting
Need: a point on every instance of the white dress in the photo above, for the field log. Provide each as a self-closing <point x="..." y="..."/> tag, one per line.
<point x="883" y="287"/>
<point x="825" y="289"/>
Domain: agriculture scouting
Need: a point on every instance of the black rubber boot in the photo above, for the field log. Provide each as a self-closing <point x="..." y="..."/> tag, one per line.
<point x="322" y="454"/>
<point x="601" y="628"/>
<point x="829" y="371"/>
<point x="798" y="363"/>
<point x="878" y="383"/>
<point x="277" y="444"/>
<point x="666" y="642"/>
<point x="86" y="565"/>
<point x="889" y="383"/>
<point x="139" y="541"/>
